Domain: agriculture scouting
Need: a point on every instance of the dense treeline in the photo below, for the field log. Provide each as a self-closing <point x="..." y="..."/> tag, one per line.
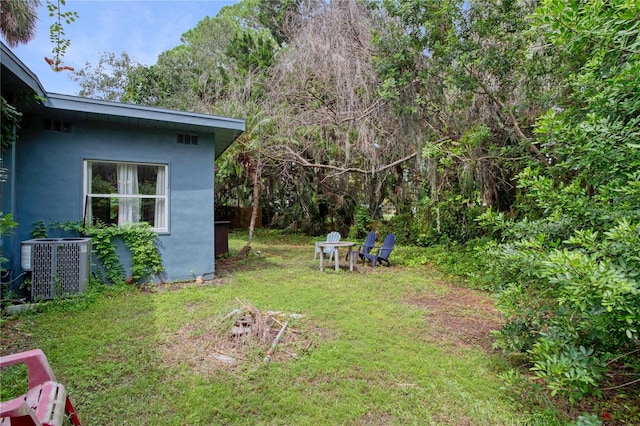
<point x="515" y="122"/>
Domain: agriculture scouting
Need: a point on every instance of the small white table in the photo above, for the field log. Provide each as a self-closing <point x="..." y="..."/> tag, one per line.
<point x="336" y="245"/>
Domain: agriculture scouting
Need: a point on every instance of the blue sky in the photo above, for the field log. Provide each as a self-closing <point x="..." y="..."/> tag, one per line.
<point x="142" y="28"/>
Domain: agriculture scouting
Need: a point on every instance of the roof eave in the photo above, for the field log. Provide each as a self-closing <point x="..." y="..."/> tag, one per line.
<point x="15" y="65"/>
<point x="114" y="109"/>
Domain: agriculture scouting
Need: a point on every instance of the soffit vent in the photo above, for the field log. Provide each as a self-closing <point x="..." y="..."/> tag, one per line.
<point x="58" y="126"/>
<point x="185" y="139"/>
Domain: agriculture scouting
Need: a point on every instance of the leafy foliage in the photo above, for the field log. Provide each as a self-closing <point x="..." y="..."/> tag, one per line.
<point x="140" y="239"/>
<point x="567" y="272"/>
<point x="573" y="304"/>
<point x="7" y="225"/>
<point x="362" y="224"/>
<point x="10" y="123"/>
<point x="463" y="68"/>
<point x="272" y="15"/>
<point x="57" y="34"/>
<point x="107" y="79"/>
<point x="252" y="51"/>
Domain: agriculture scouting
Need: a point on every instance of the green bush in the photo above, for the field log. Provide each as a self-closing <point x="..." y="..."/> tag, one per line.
<point x="574" y="305"/>
<point x="362" y="225"/>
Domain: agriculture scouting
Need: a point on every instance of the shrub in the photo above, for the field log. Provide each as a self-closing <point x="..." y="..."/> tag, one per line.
<point x="573" y="305"/>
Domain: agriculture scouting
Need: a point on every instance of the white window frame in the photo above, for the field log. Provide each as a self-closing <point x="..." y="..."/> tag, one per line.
<point x="163" y="197"/>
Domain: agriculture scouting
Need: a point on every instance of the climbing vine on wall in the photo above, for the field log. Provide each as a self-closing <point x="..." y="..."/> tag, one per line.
<point x="140" y="239"/>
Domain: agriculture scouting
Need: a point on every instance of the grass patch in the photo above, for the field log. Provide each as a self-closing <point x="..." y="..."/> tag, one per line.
<point x="362" y="347"/>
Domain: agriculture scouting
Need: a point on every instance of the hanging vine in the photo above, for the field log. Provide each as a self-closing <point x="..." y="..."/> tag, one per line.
<point x="57" y="34"/>
<point x="10" y="121"/>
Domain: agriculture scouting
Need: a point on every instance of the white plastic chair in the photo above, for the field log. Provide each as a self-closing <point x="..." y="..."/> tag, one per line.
<point x="332" y="237"/>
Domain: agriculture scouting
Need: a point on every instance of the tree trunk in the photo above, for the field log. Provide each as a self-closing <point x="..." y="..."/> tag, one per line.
<point x="254" y="212"/>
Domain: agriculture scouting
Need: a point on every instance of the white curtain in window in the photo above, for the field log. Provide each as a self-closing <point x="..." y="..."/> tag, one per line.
<point x="88" y="211"/>
<point x="128" y="208"/>
<point x="160" y="211"/>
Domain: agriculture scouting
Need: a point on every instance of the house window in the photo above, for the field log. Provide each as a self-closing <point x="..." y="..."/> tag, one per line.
<point x="58" y="126"/>
<point x="186" y="139"/>
<point x="119" y="193"/>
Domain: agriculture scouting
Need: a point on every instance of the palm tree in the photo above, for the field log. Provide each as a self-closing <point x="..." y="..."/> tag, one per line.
<point x="249" y="144"/>
<point x="18" y="20"/>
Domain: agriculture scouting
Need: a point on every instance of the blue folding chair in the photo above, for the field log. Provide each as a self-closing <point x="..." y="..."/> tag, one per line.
<point x="381" y="254"/>
<point x="366" y="246"/>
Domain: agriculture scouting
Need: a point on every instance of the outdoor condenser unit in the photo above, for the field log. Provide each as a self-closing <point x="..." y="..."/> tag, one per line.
<point x="58" y="265"/>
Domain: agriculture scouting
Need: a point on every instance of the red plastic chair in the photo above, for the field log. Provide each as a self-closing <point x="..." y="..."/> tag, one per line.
<point x="46" y="401"/>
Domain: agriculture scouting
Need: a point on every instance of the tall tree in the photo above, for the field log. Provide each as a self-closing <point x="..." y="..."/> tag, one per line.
<point x="276" y="16"/>
<point x="108" y="79"/>
<point x="336" y="130"/>
<point x="461" y="71"/>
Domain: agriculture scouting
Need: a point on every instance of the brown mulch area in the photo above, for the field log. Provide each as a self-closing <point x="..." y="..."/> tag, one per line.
<point x="460" y="316"/>
<point x="14" y="338"/>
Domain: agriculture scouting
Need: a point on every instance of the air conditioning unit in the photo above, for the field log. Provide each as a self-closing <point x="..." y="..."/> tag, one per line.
<point x="58" y="266"/>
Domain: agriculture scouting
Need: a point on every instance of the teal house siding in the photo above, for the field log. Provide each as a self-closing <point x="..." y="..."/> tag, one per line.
<point x="51" y="170"/>
<point x="45" y="178"/>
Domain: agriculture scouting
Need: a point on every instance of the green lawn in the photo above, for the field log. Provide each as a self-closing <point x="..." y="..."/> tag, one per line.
<point x="358" y="352"/>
